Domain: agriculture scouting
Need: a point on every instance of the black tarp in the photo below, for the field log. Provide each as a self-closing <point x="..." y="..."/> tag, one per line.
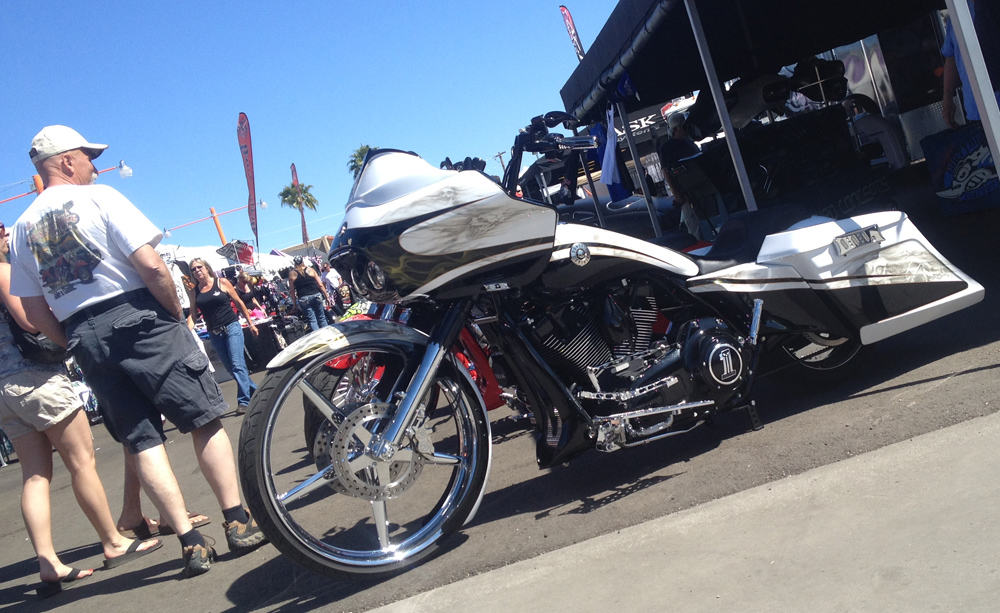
<point x="653" y="41"/>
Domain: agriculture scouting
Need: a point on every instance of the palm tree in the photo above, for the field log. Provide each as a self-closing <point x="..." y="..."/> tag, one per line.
<point x="357" y="159"/>
<point x="299" y="198"/>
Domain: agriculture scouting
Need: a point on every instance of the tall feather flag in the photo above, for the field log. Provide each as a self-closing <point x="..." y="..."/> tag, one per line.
<point x="246" y="150"/>
<point x="574" y="37"/>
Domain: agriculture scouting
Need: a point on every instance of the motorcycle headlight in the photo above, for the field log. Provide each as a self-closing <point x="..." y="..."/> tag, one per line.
<point x="375" y="276"/>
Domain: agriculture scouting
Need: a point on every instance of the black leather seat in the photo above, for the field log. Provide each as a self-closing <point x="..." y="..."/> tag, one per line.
<point x="741" y="237"/>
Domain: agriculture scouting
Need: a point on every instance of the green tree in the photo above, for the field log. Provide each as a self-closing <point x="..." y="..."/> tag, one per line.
<point x="299" y="198"/>
<point x="357" y="159"/>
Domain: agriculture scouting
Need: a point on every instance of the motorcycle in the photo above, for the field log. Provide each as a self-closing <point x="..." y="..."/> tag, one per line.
<point x="608" y="340"/>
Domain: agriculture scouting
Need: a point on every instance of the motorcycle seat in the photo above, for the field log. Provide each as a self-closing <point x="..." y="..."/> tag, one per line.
<point x="677" y="240"/>
<point x="741" y="236"/>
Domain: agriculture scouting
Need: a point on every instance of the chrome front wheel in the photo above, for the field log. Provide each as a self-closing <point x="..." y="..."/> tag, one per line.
<point x="330" y="503"/>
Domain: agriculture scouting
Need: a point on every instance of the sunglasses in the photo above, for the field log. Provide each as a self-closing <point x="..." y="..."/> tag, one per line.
<point x="197" y="268"/>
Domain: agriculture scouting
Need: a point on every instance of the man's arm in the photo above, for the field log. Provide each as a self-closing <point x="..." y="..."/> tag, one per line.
<point x="151" y="267"/>
<point x="40" y="315"/>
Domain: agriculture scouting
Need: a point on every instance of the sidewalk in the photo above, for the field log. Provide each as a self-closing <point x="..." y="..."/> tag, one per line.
<point x="914" y="526"/>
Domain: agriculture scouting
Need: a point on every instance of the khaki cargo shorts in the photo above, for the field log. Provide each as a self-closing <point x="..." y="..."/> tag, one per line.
<point x="36" y="399"/>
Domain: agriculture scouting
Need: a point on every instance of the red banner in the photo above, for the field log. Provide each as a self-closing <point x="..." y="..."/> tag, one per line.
<point x="246" y="150"/>
<point x="571" y="29"/>
<point x="295" y="176"/>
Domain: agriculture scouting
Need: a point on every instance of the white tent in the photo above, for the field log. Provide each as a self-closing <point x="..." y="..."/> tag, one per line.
<point x="266" y="263"/>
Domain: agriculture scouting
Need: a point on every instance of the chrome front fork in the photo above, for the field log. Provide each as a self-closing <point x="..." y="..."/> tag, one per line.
<point x="385" y="443"/>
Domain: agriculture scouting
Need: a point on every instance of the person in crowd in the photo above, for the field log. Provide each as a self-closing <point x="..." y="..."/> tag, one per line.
<point x="40" y="410"/>
<point x="125" y="327"/>
<point x="214" y="297"/>
<point x="678" y="146"/>
<point x="332" y="282"/>
<point x="247" y="291"/>
<point x="308" y="293"/>
<point x="954" y="66"/>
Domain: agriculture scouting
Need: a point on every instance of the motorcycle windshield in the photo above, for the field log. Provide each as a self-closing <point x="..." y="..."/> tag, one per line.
<point x="389" y="174"/>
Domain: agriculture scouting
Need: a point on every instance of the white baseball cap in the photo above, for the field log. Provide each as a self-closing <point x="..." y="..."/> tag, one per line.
<point x="53" y="140"/>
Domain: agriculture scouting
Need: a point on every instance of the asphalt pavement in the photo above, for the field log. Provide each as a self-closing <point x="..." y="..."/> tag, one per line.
<point x="910" y="527"/>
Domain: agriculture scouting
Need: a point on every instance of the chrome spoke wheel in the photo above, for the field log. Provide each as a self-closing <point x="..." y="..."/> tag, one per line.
<point x="334" y="503"/>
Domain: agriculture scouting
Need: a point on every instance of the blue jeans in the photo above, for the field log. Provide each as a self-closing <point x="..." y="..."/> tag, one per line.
<point x="314" y="308"/>
<point x="229" y="347"/>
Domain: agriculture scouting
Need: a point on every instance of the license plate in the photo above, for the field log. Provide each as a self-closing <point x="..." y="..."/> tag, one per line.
<point x="858" y="238"/>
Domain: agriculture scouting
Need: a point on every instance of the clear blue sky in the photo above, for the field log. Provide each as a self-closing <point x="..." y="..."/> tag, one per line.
<point x="163" y="83"/>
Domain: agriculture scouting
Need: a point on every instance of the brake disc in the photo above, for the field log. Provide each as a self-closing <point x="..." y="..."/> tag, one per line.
<point x="356" y="473"/>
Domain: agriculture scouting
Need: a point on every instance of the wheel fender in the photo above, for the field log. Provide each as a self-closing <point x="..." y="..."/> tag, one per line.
<point x="345" y="334"/>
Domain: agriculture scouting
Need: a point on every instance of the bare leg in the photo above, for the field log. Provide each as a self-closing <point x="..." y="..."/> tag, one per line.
<point x="72" y="439"/>
<point x="215" y="458"/>
<point x="131" y="514"/>
<point x="35" y="454"/>
<point x="153" y="468"/>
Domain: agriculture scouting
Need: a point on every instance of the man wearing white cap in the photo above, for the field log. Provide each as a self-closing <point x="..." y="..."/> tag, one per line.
<point x="84" y="260"/>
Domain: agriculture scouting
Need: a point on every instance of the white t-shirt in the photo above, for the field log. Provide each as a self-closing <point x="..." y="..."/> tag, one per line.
<point x="332" y="280"/>
<point x="72" y="245"/>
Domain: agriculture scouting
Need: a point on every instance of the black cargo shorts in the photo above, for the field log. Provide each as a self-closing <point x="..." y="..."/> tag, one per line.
<point x="141" y="362"/>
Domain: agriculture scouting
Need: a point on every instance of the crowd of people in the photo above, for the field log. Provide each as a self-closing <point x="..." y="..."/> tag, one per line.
<point x="83" y="271"/>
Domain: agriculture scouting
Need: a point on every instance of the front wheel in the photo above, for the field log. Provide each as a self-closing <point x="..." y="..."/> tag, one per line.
<point x="332" y="507"/>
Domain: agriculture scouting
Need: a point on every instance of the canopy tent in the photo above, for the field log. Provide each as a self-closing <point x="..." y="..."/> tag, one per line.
<point x="268" y="264"/>
<point x="653" y="41"/>
<point x="665" y="48"/>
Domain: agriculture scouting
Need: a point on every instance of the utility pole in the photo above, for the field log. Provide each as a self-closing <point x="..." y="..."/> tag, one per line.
<point x="499" y="156"/>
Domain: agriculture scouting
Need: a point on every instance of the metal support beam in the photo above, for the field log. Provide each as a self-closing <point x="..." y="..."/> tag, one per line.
<point x="720" y="104"/>
<point x="975" y="67"/>
<point x="640" y="172"/>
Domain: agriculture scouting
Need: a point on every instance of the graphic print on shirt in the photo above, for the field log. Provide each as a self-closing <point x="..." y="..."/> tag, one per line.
<point x="65" y="258"/>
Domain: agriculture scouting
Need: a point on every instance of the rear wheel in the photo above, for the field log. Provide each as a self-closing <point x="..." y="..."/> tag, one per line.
<point x="821" y="353"/>
<point x="331" y="506"/>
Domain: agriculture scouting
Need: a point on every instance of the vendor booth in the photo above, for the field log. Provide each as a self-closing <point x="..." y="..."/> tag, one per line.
<point x="836" y="158"/>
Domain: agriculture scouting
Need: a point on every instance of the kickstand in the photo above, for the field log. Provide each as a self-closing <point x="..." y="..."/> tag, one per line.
<point x="755" y="423"/>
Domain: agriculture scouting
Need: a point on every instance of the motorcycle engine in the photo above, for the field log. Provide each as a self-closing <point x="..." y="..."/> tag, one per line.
<point x="622" y="355"/>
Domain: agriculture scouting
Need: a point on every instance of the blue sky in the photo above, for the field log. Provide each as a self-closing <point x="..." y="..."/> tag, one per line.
<point x="163" y="83"/>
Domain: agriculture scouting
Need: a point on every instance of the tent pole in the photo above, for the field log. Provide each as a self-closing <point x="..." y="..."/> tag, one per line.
<point x="593" y="188"/>
<point x="640" y="172"/>
<point x="975" y="67"/>
<point x="720" y="104"/>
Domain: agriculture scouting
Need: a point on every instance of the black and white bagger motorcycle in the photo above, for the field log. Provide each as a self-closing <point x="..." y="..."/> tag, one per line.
<point x="608" y="340"/>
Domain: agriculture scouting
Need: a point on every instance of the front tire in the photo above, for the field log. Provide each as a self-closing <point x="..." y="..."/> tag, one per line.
<point x="332" y="508"/>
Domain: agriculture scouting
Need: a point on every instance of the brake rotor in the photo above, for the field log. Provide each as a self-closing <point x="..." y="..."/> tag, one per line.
<point x="357" y="474"/>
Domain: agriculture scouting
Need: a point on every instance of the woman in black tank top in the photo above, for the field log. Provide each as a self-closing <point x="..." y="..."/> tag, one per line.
<point x="247" y="292"/>
<point x="308" y="293"/>
<point x="213" y="297"/>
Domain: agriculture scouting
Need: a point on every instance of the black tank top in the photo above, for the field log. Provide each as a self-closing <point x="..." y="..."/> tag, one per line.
<point x="214" y="305"/>
<point x="305" y="285"/>
<point x="247" y="296"/>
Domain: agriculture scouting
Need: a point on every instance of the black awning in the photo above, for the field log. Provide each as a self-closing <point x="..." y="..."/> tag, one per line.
<point x="653" y="41"/>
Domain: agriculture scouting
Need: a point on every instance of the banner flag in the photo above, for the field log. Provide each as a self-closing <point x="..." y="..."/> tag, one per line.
<point x="246" y="150"/>
<point x="571" y="29"/>
<point x="295" y="176"/>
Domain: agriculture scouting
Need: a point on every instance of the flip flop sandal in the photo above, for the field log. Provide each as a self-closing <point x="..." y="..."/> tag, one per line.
<point x="48" y="589"/>
<point x="144" y="531"/>
<point x="130" y="554"/>
<point x="197" y="521"/>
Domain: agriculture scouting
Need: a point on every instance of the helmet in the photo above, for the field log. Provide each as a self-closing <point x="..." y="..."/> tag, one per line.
<point x="297" y="260"/>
